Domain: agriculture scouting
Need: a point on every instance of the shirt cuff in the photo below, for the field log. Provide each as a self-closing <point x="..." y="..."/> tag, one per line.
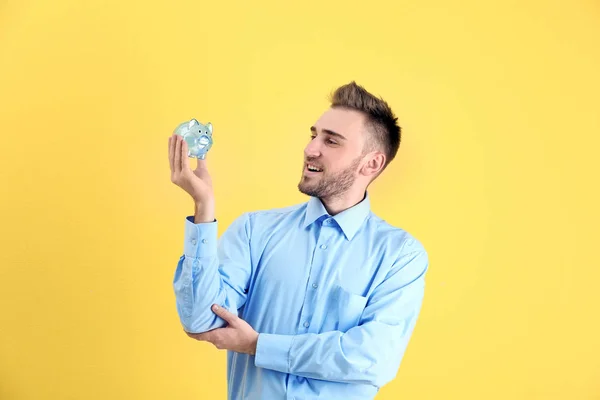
<point x="200" y="239"/>
<point x="273" y="352"/>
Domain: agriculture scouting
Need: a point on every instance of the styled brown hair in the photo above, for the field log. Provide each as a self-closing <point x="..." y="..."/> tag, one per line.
<point x="380" y="120"/>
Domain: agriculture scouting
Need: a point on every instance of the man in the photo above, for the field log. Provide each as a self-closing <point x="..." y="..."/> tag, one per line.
<point x="315" y="300"/>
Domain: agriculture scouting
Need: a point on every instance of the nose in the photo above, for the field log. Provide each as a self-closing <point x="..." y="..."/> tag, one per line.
<point x="312" y="149"/>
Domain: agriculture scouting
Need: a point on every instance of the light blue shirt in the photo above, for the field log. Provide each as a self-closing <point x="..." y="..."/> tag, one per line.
<point x="334" y="299"/>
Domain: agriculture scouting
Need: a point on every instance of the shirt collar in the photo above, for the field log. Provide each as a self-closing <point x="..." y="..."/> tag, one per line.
<point x="349" y="220"/>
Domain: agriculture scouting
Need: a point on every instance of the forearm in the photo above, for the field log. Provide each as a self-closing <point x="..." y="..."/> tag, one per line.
<point x="369" y="353"/>
<point x="208" y="274"/>
<point x="352" y="357"/>
<point x="197" y="282"/>
<point x="198" y="286"/>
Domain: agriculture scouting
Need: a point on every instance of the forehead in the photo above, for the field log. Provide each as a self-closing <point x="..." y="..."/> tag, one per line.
<point x="346" y="122"/>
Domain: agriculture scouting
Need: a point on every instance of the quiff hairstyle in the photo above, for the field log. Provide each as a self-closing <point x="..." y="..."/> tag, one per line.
<point x="380" y="120"/>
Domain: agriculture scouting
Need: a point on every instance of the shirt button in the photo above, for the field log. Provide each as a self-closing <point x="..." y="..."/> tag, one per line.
<point x="323" y="246"/>
<point x="315" y="285"/>
<point x="306" y="324"/>
<point x="193" y="241"/>
<point x="204" y="241"/>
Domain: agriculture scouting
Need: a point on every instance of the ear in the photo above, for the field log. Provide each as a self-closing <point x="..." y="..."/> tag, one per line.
<point x="374" y="164"/>
<point x="209" y="127"/>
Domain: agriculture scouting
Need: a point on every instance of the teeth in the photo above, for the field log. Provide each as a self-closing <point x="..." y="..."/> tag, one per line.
<point x="313" y="168"/>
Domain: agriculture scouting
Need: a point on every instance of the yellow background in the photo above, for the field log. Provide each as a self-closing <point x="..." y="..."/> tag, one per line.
<point x="497" y="175"/>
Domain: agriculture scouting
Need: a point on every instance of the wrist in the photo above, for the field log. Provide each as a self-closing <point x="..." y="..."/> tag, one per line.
<point x="204" y="211"/>
<point x="254" y="345"/>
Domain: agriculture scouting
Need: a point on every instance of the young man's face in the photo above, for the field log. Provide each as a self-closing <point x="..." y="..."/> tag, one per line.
<point x="336" y="150"/>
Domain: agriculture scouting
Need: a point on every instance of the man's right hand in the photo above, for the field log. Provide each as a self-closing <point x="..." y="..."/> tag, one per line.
<point x="197" y="183"/>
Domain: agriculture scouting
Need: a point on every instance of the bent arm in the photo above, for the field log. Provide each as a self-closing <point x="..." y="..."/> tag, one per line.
<point x="368" y="353"/>
<point x="212" y="271"/>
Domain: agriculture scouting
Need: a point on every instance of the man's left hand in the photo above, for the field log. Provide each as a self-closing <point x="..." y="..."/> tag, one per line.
<point x="238" y="336"/>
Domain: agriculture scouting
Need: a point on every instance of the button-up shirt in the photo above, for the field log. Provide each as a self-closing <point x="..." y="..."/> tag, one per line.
<point x="334" y="298"/>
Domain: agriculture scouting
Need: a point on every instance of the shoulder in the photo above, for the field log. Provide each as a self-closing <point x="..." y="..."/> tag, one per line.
<point x="394" y="240"/>
<point x="406" y="257"/>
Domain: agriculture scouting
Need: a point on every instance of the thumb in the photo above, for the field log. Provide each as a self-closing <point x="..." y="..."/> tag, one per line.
<point x="201" y="164"/>
<point x="226" y="315"/>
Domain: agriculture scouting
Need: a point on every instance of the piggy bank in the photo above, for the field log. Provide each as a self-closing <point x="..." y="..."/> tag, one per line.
<point x="197" y="136"/>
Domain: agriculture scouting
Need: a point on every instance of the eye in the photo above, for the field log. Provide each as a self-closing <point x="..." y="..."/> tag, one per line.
<point x="331" y="141"/>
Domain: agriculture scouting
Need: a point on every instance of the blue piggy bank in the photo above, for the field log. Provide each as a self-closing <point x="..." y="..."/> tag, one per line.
<point x="197" y="136"/>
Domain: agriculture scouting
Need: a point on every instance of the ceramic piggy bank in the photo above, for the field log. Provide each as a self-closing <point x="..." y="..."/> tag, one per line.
<point x="197" y="136"/>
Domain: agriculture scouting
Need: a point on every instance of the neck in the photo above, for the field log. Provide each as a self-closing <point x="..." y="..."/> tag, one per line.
<point x="336" y="204"/>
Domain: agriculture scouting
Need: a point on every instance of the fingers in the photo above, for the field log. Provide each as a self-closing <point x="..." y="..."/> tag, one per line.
<point x="206" y="336"/>
<point x="185" y="162"/>
<point x="171" y="151"/>
<point x="178" y="153"/>
<point x="213" y="337"/>
<point x="177" y="162"/>
<point x="226" y="315"/>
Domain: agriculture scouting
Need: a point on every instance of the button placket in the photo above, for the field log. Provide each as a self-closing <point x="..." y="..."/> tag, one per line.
<point x="326" y="234"/>
<point x="308" y="305"/>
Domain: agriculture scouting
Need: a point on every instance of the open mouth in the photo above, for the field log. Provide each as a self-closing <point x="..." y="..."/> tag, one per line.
<point x="313" y="168"/>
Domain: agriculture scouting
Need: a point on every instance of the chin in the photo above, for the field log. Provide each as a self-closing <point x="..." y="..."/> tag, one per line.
<point x="305" y="189"/>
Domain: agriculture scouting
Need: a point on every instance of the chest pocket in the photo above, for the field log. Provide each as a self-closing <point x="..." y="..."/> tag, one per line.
<point x="344" y="311"/>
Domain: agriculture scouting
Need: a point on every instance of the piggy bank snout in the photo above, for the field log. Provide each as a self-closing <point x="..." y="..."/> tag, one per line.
<point x="203" y="141"/>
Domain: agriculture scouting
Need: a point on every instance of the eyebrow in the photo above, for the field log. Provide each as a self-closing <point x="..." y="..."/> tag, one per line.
<point x="329" y="132"/>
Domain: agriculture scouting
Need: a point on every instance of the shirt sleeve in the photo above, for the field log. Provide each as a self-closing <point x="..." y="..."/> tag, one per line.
<point x="370" y="352"/>
<point x="212" y="271"/>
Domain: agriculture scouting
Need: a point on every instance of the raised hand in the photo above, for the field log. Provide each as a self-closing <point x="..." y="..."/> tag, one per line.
<point x="196" y="182"/>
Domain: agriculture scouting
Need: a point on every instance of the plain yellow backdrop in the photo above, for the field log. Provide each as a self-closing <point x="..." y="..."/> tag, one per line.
<point x="497" y="175"/>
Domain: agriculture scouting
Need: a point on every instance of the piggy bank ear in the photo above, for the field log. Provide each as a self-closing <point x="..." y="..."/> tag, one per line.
<point x="209" y="127"/>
